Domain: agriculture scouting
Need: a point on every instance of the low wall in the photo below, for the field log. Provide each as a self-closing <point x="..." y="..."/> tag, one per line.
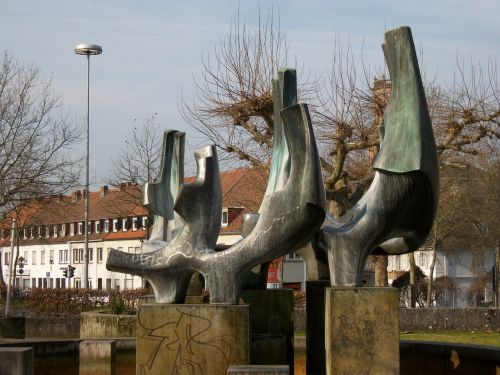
<point x="61" y="327"/>
<point x="96" y="325"/>
<point x="445" y="318"/>
<point x="433" y="319"/>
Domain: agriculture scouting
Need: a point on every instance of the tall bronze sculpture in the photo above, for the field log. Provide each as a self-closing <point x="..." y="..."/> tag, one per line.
<point x="393" y="217"/>
<point x="396" y="213"/>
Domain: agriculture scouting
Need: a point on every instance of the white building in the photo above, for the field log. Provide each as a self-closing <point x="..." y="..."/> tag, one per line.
<point x="469" y="272"/>
<point x="51" y="234"/>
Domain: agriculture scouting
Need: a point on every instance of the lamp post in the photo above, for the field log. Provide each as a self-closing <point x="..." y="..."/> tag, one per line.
<point x="87" y="50"/>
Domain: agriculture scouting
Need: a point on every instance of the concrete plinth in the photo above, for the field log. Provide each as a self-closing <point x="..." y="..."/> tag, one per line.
<point x="17" y="361"/>
<point x="191" y="339"/>
<point x="271" y="326"/>
<point x="315" y="326"/>
<point x="362" y="331"/>
<point x="98" y="357"/>
<point x="259" y="370"/>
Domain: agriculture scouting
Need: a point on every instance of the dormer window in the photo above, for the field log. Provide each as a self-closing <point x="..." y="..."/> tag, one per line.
<point x="225" y="217"/>
<point x="115" y="225"/>
<point x="80" y="227"/>
<point x="32" y="232"/>
<point x="106" y="225"/>
<point x="24" y="233"/>
<point x="134" y="223"/>
<point x="124" y="224"/>
<point x="47" y="231"/>
<point x="72" y="229"/>
<point x="144" y="222"/>
<point x="39" y="231"/>
<point x="63" y="230"/>
<point x="55" y="230"/>
<point x="97" y="226"/>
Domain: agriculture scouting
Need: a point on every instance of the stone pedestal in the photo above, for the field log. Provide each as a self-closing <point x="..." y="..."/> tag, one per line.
<point x="258" y="370"/>
<point x="315" y="326"/>
<point x="98" y="357"/>
<point x="192" y="339"/>
<point x="17" y="361"/>
<point x="271" y="326"/>
<point x="362" y="331"/>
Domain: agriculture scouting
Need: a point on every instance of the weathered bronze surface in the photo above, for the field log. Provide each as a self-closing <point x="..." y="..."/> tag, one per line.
<point x="291" y="211"/>
<point x="396" y="213"/>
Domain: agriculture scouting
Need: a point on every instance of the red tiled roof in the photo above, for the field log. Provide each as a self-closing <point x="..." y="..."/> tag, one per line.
<point x="242" y="192"/>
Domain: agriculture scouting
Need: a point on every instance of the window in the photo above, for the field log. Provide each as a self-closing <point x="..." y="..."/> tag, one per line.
<point x="224" y="219"/>
<point x="131" y="250"/>
<point x="124" y="224"/>
<point x="76" y="256"/>
<point x="61" y="257"/>
<point x="137" y="250"/>
<point x="144" y="222"/>
<point x="97" y="226"/>
<point x="51" y="257"/>
<point x="72" y="229"/>
<point x="55" y="230"/>
<point x="106" y="225"/>
<point x="115" y="225"/>
<point x="47" y="231"/>
<point x="63" y="230"/>
<point x="80" y="227"/>
<point x="99" y="254"/>
<point x="66" y="256"/>
<point x="25" y="257"/>
<point x="24" y="233"/>
<point x="292" y="256"/>
<point x="42" y="257"/>
<point x="39" y="231"/>
<point x="423" y="259"/>
<point x="33" y="258"/>
<point x="32" y="232"/>
<point x="6" y="259"/>
<point x="134" y="223"/>
<point x="78" y="283"/>
<point x="91" y="255"/>
<point x="81" y="258"/>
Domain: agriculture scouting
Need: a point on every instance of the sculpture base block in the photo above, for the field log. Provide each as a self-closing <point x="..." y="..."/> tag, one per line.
<point x="191" y="339"/>
<point x="362" y="331"/>
<point x="271" y="326"/>
<point x="315" y="326"/>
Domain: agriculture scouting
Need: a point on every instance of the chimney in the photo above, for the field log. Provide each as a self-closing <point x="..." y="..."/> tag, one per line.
<point x="104" y="190"/>
<point x="76" y="196"/>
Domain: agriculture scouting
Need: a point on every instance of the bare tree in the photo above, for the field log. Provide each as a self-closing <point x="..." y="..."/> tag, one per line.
<point x="35" y="138"/>
<point x="137" y="162"/>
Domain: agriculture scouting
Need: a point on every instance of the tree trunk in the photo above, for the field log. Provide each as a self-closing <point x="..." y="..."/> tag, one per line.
<point x="380" y="266"/>
<point x="497" y="275"/>
<point x="431" y="274"/>
<point x="412" y="288"/>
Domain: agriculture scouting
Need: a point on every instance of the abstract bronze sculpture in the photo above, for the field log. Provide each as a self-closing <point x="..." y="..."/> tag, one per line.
<point x="396" y="213"/>
<point x="393" y="217"/>
<point x="291" y="211"/>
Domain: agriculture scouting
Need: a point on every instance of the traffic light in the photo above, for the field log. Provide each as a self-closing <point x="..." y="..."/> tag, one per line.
<point x="65" y="273"/>
<point x="71" y="272"/>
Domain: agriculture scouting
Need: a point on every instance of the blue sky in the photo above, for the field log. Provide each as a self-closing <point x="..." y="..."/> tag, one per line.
<point x="153" y="49"/>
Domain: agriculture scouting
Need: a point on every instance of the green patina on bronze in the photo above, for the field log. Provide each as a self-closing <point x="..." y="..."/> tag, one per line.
<point x="407" y="140"/>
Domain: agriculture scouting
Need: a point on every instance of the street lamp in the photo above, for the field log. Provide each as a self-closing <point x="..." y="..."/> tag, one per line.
<point x="87" y="50"/>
